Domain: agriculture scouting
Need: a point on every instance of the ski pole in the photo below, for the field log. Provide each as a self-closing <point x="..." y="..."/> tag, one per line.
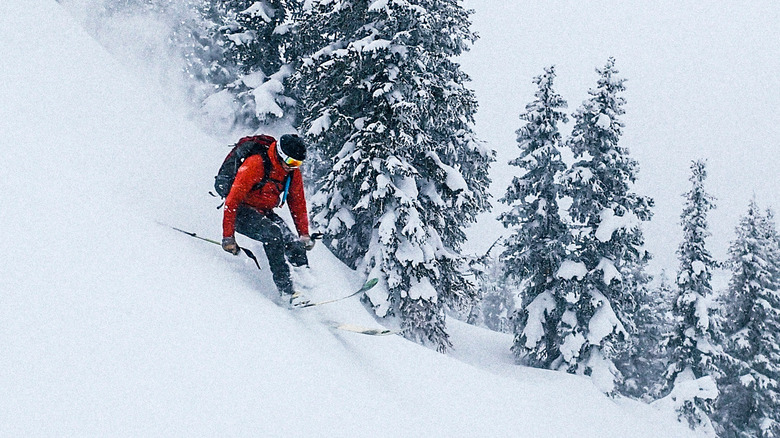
<point x="191" y="234"/>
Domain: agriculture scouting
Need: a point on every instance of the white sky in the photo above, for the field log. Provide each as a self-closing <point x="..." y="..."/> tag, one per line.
<point x="703" y="82"/>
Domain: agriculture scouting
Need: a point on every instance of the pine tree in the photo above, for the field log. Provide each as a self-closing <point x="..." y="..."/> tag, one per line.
<point x="496" y="301"/>
<point x="692" y="343"/>
<point x="401" y="172"/>
<point x="693" y="346"/>
<point x="535" y="250"/>
<point x="645" y="362"/>
<point x="236" y="53"/>
<point x="609" y="240"/>
<point x="257" y="35"/>
<point x="134" y="6"/>
<point x="773" y="245"/>
<point x="750" y="401"/>
<point x="203" y="47"/>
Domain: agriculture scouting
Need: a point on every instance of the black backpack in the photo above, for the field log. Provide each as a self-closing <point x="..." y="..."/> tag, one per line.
<point x="246" y="147"/>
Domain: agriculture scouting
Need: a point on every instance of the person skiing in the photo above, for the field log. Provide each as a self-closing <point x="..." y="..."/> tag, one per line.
<point x="252" y="198"/>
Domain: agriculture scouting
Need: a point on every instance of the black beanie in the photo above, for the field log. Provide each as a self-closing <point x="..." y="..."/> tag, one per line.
<point x="293" y="146"/>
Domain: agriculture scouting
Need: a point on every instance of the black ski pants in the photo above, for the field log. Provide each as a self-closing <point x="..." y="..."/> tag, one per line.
<point x="278" y="241"/>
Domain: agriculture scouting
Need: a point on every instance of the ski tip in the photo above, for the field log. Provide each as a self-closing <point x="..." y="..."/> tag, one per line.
<point x="371" y="283"/>
<point x="360" y="329"/>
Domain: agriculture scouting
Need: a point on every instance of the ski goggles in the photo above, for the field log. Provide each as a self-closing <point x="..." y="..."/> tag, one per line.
<point x="288" y="160"/>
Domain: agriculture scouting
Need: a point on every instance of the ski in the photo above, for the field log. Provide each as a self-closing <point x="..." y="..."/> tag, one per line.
<point x="368" y="285"/>
<point x="360" y="329"/>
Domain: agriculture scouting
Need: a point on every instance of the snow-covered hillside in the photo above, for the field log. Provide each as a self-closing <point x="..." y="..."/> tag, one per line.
<point x="113" y="325"/>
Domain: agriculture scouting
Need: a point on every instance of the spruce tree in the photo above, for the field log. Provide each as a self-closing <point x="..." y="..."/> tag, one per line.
<point x="401" y="172"/>
<point x="608" y="243"/>
<point x="537" y="246"/>
<point x="257" y="34"/>
<point x="645" y="362"/>
<point x="203" y="47"/>
<point x="692" y="343"/>
<point x="750" y="401"/>
<point x="694" y="346"/>
<point x="238" y="49"/>
<point x="773" y="244"/>
<point x="134" y="6"/>
<point x="496" y="299"/>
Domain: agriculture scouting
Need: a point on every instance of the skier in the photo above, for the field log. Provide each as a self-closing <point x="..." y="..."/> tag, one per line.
<point x="253" y="196"/>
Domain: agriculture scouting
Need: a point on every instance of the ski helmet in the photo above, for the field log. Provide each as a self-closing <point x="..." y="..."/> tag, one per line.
<point x="292" y="150"/>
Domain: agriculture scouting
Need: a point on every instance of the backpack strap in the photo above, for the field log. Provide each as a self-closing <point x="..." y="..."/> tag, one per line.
<point x="267" y="173"/>
<point x="266" y="169"/>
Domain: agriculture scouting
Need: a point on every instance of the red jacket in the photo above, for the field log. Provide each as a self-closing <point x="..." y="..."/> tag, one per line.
<point x="266" y="198"/>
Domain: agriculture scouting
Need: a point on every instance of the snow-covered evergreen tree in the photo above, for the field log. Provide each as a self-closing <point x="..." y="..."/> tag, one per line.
<point x="134" y="6"/>
<point x="694" y="347"/>
<point x="692" y="343"/>
<point x="644" y="364"/>
<point x="609" y="241"/>
<point x="257" y="37"/>
<point x="496" y="299"/>
<point x="401" y="172"/>
<point x="497" y="307"/>
<point x="204" y="49"/>
<point x="750" y="401"/>
<point x="238" y="49"/>
<point x="773" y="245"/>
<point x="537" y="246"/>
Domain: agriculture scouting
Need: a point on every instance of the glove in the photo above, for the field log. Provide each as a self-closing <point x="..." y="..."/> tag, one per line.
<point x="308" y="242"/>
<point x="229" y="244"/>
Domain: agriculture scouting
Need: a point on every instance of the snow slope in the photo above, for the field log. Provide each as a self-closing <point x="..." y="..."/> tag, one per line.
<point x="113" y="325"/>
